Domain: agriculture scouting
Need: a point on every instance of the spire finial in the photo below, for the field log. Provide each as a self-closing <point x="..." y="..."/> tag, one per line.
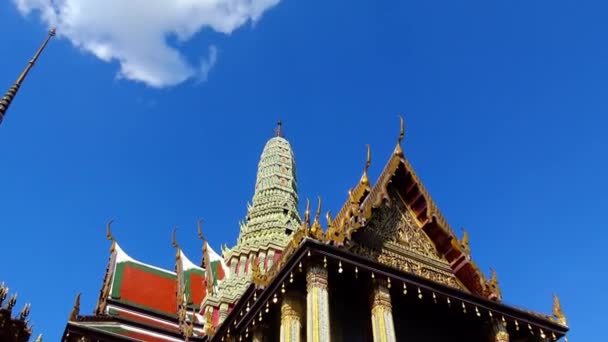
<point x="368" y="162"/>
<point x="279" y="129"/>
<point x="6" y="100"/>
<point x="110" y="236"/>
<point x="398" y="149"/>
<point x="76" y="310"/>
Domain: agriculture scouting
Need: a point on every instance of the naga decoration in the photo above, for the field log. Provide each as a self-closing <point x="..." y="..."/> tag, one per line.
<point x="464" y="243"/>
<point x="494" y="289"/>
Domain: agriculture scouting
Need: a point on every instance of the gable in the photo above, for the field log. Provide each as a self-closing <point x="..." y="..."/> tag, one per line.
<point x="394" y="237"/>
<point x="159" y="291"/>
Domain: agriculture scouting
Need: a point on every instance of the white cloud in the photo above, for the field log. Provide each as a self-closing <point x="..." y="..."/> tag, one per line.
<point x="135" y="32"/>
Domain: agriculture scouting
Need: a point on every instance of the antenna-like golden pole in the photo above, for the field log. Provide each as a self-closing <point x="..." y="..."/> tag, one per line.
<point x="6" y="100"/>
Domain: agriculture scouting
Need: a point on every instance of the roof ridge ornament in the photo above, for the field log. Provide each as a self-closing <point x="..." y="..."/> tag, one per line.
<point x="398" y="149"/>
<point x="464" y="243"/>
<point x="76" y="310"/>
<point x="557" y="311"/>
<point x="175" y="244"/>
<point x="110" y="236"/>
<point x="307" y="213"/>
<point x="206" y="258"/>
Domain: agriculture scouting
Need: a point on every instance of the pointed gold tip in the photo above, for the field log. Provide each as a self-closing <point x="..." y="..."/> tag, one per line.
<point x="368" y="162"/>
<point x="328" y="218"/>
<point x="318" y="214"/>
<point x="402" y="129"/>
<point x="307" y="212"/>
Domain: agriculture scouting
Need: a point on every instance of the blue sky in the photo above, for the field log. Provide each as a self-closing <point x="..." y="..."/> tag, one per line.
<point x="505" y="108"/>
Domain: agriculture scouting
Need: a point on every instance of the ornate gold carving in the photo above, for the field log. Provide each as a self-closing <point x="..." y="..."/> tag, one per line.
<point x="259" y="278"/>
<point x="494" y="292"/>
<point x="498" y="332"/>
<point x="464" y="243"/>
<point x="291" y="308"/>
<point x="381" y="297"/>
<point x="316" y="277"/>
<point x="557" y="311"/>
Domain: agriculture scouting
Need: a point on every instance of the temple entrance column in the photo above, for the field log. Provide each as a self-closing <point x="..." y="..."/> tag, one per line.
<point x="383" y="327"/>
<point x="498" y="332"/>
<point x="317" y="305"/>
<point x="291" y="318"/>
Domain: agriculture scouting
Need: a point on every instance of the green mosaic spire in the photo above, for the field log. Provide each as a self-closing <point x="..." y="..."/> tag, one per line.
<point x="274" y="213"/>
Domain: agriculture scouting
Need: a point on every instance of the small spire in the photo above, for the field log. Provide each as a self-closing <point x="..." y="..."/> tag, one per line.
<point x="279" y="129"/>
<point x="39" y="338"/>
<point x="76" y="310"/>
<point x="7" y="99"/>
<point x="318" y="214"/>
<point x="368" y="162"/>
<point x="398" y="150"/>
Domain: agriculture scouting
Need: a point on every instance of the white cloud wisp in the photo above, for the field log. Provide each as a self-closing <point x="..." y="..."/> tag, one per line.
<point x="135" y="32"/>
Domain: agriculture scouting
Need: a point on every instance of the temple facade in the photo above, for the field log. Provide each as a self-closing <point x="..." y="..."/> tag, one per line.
<point x="387" y="267"/>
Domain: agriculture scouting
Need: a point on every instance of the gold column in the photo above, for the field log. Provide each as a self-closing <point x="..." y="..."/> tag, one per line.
<point x="317" y="305"/>
<point x="383" y="328"/>
<point x="498" y="332"/>
<point x="291" y="319"/>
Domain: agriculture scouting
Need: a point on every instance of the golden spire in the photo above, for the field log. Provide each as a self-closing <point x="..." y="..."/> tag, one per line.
<point x="76" y="310"/>
<point x="557" y="311"/>
<point x="206" y="258"/>
<point x="368" y="162"/>
<point x="279" y="129"/>
<point x="5" y="102"/>
<point x="398" y="150"/>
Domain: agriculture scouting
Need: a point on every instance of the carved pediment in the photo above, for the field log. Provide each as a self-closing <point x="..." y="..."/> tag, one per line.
<point x="393" y="237"/>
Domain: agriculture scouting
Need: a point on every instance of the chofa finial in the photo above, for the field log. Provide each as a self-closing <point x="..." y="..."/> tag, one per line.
<point x="199" y="228"/>
<point x="173" y="240"/>
<point x="557" y="311"/>
<point x="307" y="212"/>
<point x="464" y="243"/>
<point x="109" y="231"/>
<point x="318" y="213"/>
<point x="76" y="310"/>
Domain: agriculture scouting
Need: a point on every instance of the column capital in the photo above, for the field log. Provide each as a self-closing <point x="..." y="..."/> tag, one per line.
<point x="498" y="332"/>
<point x="316" y="276"/>
<point x="381" y="296"/>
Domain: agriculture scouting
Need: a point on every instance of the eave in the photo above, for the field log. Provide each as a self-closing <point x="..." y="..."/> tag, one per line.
<point x="238" y="324"/>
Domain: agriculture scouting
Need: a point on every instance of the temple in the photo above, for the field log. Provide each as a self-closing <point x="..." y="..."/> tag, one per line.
<point x="387" y="267"/>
